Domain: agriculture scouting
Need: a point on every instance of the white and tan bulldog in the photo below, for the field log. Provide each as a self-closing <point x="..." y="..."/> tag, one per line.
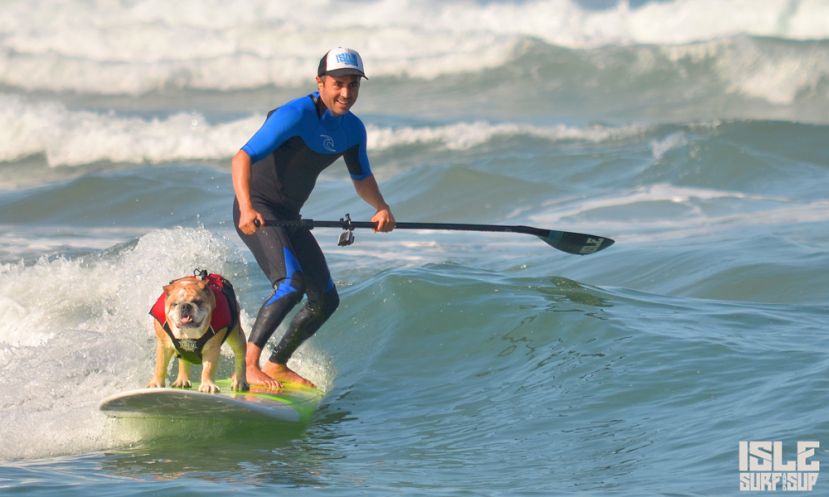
<point x="193" y="318"/>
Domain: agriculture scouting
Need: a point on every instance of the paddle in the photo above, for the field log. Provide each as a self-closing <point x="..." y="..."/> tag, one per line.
<point x="572" y="243"/>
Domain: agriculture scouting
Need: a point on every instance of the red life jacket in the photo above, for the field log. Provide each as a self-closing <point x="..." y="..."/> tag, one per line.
<point x="225" y="316"/>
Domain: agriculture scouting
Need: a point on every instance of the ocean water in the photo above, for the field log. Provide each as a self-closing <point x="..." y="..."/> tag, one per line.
<point x="693" y="132"/>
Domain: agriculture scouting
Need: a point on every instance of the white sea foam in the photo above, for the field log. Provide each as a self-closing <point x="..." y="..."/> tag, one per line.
<point x="774" y="72"/>
<point x="662" y="146"/>
<point x="19" y="239"/>
<point x="77" y="330"/>
<point x="102" y="295"/>
<point x="465" y="135"/>
<point x="69" y="137"/>
<point x="137" y="47"/>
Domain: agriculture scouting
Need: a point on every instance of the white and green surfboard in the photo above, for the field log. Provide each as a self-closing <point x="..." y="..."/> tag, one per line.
<point x="293" y="404"/>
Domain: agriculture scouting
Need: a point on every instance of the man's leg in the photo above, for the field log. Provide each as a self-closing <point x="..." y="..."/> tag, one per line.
<point x="322" y="302"/>
<point x="272" y="249"/>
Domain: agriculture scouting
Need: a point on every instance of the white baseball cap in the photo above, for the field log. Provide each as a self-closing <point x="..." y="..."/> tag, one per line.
<point x="341" y="62"/>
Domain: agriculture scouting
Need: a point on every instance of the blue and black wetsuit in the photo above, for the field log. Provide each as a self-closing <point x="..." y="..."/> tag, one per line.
<point x="296" y="143"/>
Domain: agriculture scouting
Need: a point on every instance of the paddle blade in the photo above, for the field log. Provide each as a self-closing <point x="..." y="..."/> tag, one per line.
<point x="576" y="243"/>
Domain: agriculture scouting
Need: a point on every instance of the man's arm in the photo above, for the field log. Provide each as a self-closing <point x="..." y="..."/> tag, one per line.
<point x="369" y="191"/>
<point x="278" y="127"/>
<point x="240" y="172"/>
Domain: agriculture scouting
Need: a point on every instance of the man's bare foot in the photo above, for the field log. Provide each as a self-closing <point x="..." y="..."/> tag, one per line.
<point x="282" y="372"/>
<point x="256" y="376"/>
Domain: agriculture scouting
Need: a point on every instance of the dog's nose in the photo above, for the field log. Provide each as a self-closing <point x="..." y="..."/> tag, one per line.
<point x="186" y="309"/>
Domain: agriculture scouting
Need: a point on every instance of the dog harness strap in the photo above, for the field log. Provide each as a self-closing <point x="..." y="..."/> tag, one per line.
<point x="201" y="342"/>
<point x="189" y="349"/>
<point x="226" y="301"/>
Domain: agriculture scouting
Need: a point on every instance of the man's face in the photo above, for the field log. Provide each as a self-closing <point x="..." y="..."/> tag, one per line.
<point x="338" y="93"/>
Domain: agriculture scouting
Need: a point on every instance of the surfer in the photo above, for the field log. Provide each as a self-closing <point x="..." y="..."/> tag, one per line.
<point x="273" y="175"/>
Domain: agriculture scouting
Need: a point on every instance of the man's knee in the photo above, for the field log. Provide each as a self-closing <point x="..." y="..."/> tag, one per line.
<point x="329" y="303"/>
<point x="318" y="310"/>
<point x="290" y="289"/>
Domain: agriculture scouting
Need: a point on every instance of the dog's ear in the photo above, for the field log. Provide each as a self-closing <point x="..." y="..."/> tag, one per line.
<point x="202" y="284"/>
<point x="168" y="288"/>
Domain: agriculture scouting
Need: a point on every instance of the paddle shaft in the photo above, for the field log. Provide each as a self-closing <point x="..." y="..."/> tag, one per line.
<point x="572" y="243"/>
<point x="423" y="226"/>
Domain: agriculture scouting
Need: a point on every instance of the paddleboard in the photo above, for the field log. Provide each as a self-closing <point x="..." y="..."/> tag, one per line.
<point x="293" y="404"/>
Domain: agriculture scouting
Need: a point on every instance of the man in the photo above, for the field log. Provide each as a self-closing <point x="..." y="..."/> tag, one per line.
<point x="273" y="175"/>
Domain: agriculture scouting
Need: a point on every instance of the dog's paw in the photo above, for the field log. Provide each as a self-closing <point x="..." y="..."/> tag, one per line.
<point x="209" y="387"/>
<point x="154" y="384"/>
<point x="181" y="383"/>
<point x="236" y="386"/>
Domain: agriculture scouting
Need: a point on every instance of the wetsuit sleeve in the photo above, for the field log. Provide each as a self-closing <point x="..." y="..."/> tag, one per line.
<point x="281" y="125"/>
<point x="356" y="157"/>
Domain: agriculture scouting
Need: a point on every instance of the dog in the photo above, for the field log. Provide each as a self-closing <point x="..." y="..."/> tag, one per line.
<point x="194" y="316"/>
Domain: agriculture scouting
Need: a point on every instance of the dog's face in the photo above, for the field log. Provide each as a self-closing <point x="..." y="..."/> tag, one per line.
<point x="188" y="306"/>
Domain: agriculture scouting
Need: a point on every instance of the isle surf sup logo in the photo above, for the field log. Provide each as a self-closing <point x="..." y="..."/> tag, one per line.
<point x="768" y="466"/>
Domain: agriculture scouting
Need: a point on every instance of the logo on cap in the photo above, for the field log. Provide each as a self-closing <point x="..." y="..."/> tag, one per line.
<point x="347" y="58"/>
<point x="341" y="61"/>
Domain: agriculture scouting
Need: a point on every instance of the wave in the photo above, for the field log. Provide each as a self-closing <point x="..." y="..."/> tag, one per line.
<point x="769" y="70"/>
<point x="77" y="330"/>
<point x="74" y="137"/>
<point x="466" y="135"/>
<point x="68" y="137"/>
<point x="77" y="137"/>
<point x="139" y="47"/>
<point x="665" y="212"/>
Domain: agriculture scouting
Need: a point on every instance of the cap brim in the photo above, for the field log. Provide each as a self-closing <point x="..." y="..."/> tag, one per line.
<point x="346" y="72"/>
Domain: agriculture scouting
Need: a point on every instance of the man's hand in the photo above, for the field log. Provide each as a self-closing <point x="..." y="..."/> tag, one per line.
<point x="369" y="191"/>
<point x="247" y="221"/>
<point x="384" y="220"/>
<point x="240" y="173"/>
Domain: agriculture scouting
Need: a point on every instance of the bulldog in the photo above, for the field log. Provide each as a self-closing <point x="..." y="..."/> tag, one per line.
<point x="194" y="316"/>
